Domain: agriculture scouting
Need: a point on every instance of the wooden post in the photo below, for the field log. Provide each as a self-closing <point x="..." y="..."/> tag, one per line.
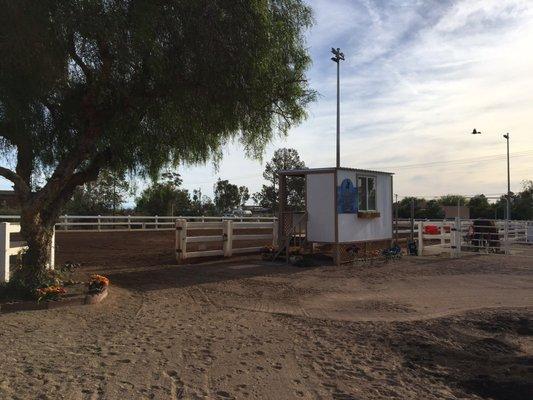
<point x="129" y="222"/>
<point x="99" y="227"/>
<point x="181" y="240"/>
<point x="65" y="221"/>
<point x="156" y="223"/>
<point x="420" y="238"/>
<point x="51" y="264"/>
<point x="274" y="233"/>
<point x="227" y="231"/>
<point x="4" y="249"/>
<point x="281" y="209"/>
<point x="442" y="232"/>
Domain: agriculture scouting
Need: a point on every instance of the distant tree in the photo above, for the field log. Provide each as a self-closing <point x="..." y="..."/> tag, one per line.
<point x="202" y="205"/>
<point x="452" y="199"/>
<point x="135" y="85"/>
<point x="227" y="196"/>
<point x="268" y="197"/>
<point x="522" y="202"/>
<point x="430" y="210"/>
<point x="165" y="197"/>
<point x="103" y="196"/>
<point x="244" y="195"/>
<point x="480" y="207"/>
<point x="208" y="207"/>
<point x="404" y="207"/>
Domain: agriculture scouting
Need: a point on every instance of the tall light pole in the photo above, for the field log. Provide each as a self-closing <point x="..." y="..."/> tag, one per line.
<point x="508" y="208"/>
<point x="506" y="136"/>
<point x="338" y="56"/>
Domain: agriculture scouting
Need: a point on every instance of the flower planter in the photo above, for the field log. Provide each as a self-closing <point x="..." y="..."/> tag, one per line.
<point x="368" y="214"/>
<point x="93" y="298"/>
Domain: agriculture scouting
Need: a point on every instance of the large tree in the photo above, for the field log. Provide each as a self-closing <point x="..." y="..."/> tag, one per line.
<point x="283" y="159"/>
<point x="135" y="85"/>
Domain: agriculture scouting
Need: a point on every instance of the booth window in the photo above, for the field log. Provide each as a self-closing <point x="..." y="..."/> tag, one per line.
<point x="367" y="193"/>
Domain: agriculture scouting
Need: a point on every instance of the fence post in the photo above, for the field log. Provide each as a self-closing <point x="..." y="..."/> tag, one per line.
<point x="156" y="222"/>
<point x="51" y="264"/>
<point x="99" y="226"/>
<point x="65" y="221"/>
<point x="129" y="222"/>
<point x="275" y="233"/>
<point x="181" y="240"/>
<point x="506" y="237"/>
<point x="227" y="231"/>
<point x="442" y="233"/>
<point x="4" y="249"/>
<point x="455" y="239"/>
<point x="420" y="237"/>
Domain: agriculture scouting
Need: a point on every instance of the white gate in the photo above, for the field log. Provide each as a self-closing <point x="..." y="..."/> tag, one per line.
<point x="486" y="236"/>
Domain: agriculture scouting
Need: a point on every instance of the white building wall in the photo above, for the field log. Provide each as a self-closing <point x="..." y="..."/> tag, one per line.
<point x="353" y="229"/>
<point x="320" y="207"/>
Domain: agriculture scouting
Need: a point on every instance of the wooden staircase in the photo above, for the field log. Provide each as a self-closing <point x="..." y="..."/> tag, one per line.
<point x="292" y="234"/>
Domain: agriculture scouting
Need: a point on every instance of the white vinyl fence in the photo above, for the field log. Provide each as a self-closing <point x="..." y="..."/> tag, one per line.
<point x="114" y="223"/>
<point x="226" y="237"/>
<point x="9" y="248"/>
<point x="474" y="235"/>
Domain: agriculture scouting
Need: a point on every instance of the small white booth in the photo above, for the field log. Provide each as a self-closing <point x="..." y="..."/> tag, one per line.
<point x="342" y="206"/>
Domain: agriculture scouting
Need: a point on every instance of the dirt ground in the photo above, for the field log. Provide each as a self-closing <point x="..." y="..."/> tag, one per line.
<point x="417" y="328"/>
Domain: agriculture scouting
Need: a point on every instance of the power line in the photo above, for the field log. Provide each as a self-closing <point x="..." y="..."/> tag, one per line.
<point x="462" y="161"/>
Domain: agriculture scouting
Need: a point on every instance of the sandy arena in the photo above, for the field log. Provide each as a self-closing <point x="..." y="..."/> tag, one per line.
<point x="249" y="329"/>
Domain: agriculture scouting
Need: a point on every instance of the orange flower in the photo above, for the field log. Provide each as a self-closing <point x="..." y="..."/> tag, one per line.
<point x="100" y="279"/>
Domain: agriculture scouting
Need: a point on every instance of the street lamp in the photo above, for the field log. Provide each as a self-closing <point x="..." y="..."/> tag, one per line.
<point x="338" y="57"/>
<point x="508" y="210"/>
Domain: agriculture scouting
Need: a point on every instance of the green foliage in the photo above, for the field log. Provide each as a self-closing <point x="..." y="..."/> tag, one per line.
<point x="165" y="197"/>
<point x="521" y="203"/>
<point x="453" y="200"/>
<point x="229" y="196"/>
<point x="480" y="207"/>
<point x="423" y="208"/>
<point x="103" y="196"/>
<point x="141" y="84"/>
<point x="268" y="197"/>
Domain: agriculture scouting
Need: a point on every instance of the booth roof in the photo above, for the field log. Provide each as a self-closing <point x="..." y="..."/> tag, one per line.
<point x="329" y="169"/>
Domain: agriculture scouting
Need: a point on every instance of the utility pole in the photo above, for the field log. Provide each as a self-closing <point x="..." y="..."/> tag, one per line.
<point x="508" y="208"/>
<point x="506" y="136"/>
<point x="338" y="57"/>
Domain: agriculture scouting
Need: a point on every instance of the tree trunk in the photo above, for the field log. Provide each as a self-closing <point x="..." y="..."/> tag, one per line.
<point x="37" y="228"/>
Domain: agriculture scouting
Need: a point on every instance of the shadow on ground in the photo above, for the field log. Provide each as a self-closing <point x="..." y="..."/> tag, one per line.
<point x="179" y="276"/>
<point x="482" y="358"/>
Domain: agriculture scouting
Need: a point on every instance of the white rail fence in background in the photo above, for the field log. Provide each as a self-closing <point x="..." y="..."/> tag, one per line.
<point x="226" y="237"/>
<point x="9" y="248"/>
<point x="117" y="223"/>
<point x="473" y="235"/>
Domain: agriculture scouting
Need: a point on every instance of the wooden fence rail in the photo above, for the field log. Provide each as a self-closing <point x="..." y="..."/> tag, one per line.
<point x="225" y="237"/>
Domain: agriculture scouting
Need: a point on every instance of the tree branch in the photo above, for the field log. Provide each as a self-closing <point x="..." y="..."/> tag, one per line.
<point x="77" y="59"/>
<point x="17" y="180"/>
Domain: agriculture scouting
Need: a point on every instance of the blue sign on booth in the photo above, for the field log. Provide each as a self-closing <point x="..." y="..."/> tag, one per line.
<point x="347" y="197"/>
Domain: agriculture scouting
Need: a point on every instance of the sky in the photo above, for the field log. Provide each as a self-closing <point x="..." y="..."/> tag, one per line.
<point x="418" y="77"/>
